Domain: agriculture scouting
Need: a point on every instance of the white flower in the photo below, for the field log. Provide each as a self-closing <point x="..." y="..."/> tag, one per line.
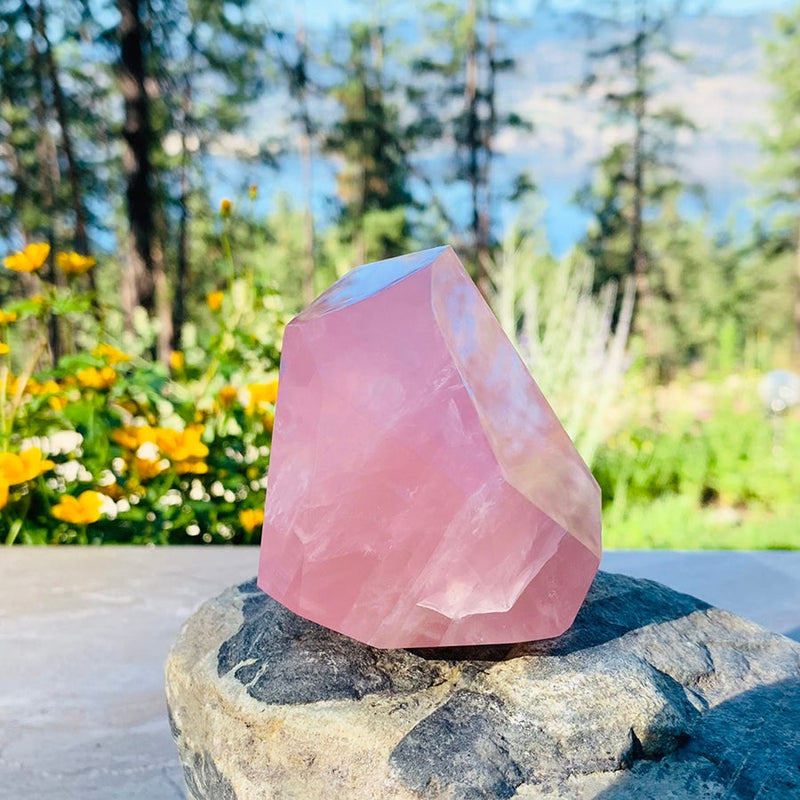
<point x="107" y="477"/>
<point x="148" y="451"/>
<point x="63" y="442"/>
<point x="72" y="471"/>
<point x="172" y="498"/>
<point x="108" y="507"/>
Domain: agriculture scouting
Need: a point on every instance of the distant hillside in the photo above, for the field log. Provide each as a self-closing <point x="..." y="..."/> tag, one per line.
<point x="720" y="88"/>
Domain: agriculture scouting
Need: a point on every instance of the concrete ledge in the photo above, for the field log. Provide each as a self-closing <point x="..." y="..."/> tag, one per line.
<point x="84" y="634"/>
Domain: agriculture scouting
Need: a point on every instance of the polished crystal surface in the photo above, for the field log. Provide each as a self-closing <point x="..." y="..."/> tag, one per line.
<point x="421" y="490"/>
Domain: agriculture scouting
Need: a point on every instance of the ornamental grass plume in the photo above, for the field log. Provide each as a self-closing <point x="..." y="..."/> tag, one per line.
<point x="29" y="464"/>
<point x="566" y="335"/>
<point x="29" y="259"/>
<point x="74" y="263"/>
<point x="81" y="510"/>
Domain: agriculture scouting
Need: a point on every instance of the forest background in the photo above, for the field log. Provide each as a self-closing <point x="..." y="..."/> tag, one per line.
<point x="177" y="179"/>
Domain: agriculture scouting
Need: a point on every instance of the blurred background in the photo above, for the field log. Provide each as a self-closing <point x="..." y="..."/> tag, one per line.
<point x="177" y="179"/>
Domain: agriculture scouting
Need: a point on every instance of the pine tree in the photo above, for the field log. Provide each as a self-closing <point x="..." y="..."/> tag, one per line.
<point x="457" y="102"/>
<point x="373" y="183"/>
<point x="781" y="146"/>
<point x="639" y="176"/>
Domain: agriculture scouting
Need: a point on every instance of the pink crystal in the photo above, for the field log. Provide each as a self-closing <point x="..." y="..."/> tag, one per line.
<point x="421" y="491"/>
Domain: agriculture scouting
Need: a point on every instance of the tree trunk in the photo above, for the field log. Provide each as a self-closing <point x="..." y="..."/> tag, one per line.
<point x="182" y="256"/>
<point x="797" y="302"/>
<point x="306" y="133"/>
<point x="638" y="255"/>
<point x="138" y="281"/>
<point x="81" y="240"/>
<point x="484" y="240"/>
<point x="473" y="148"/>
<point x="48" y="178"/>
<point x="308" y="215"/>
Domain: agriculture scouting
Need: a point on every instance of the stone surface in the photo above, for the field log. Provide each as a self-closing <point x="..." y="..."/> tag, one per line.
<point x="84" y="632"/>
<point x="421" y="490"/>
<point x="650" y="694"/>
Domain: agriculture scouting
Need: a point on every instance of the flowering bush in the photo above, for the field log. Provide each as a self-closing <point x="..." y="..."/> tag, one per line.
<point x="108" y="445"/>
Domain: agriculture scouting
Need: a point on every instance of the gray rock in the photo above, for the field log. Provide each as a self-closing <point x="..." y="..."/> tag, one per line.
<point x="651" y="694"/>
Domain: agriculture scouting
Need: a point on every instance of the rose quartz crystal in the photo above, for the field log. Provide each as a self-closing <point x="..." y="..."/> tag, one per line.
<point x="421" y="490"/>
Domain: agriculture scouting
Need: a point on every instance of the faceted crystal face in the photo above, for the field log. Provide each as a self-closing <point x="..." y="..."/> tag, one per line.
<point x="421" y="490"/>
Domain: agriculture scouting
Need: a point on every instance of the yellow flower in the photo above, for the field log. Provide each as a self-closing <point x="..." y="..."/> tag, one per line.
<point x="214" y="300"/>
<point x="110" y="354"/>
<point x="29" y="259"/>
<point x="191" y="467"/>
<point x="3" y="494"/>
<point x="79" y="510"/>
<point x="4" y="349"/>
<point x="262" y="393"/>
<point x="130" y="436"/>
<point x="251" y="518"/>
<point x="7" y="316"/>
<point x="56" y="400"/>
<point x="227" y="396"/>
<point x="253" y="191"/>
<point x="93" y="378"/>
<point x="181" y="445"/>
<point x="176" y="360"/>
<point x="225" y="208"/>
<point x="29" y="464"/>
<point x="74" y="263"/>
<point x="149" y="468"/>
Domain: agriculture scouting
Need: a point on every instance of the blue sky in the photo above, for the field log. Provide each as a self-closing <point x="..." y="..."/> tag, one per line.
<point x="324" y="11"/>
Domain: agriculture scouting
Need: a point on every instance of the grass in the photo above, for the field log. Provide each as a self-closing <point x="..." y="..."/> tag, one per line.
<point x="674" y="522"/>
<point x="700" y="465"/>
